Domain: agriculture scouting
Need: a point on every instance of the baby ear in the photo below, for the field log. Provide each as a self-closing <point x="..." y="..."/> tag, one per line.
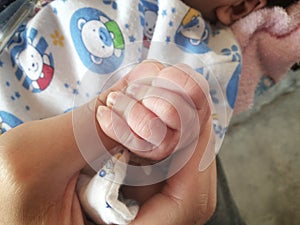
<point x="228" y="14"/>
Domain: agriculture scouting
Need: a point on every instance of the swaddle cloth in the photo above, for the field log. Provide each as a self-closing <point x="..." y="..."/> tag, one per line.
<point x="72" y="50"/>
<point x="99" y="195"/>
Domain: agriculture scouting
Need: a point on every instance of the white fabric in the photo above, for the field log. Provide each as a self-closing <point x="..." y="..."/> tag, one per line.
<point x="99" y="195"/>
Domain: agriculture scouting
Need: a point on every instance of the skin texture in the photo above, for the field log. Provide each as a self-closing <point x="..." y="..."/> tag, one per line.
<point x="163" y="111"/>
<point x="38" y="183"/>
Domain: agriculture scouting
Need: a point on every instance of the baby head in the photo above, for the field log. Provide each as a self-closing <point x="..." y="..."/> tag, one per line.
<point x="229" y="11"/>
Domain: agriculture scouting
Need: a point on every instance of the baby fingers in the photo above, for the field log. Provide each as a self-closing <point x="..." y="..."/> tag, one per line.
<point x="133" y="125"/>
<point x="141" y="120"/>
<point x="117" y="128"/>
<point x="172" y="105"/>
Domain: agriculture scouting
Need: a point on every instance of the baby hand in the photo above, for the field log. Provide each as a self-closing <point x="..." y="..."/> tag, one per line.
<point x="156" y="110"/>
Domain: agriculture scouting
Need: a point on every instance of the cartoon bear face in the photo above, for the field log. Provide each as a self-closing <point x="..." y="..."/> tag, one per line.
<point x="193" y="33"/>
<point x="31" y="61"/>
<point x="193" y="29"/>
<point x="97" y="39"/>
<point x="150" y="21"/>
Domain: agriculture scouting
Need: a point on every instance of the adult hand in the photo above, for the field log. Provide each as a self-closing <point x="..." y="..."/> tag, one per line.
<point x="189" y="197"/>
<point x="39" y="167"/>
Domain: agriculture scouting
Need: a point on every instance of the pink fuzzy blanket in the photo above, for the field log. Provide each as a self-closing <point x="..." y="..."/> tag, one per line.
<point x="270" y="43"/>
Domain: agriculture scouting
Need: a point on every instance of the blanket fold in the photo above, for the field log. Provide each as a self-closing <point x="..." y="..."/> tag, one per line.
<point x="269" y="40"/>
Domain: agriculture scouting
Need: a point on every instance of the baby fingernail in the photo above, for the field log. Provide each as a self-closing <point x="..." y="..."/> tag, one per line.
<point x="111" y="98"/>
<point x="133" y="89"/>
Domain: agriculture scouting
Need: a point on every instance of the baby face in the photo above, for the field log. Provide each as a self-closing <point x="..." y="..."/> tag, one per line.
<point x="225" y="11"/>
